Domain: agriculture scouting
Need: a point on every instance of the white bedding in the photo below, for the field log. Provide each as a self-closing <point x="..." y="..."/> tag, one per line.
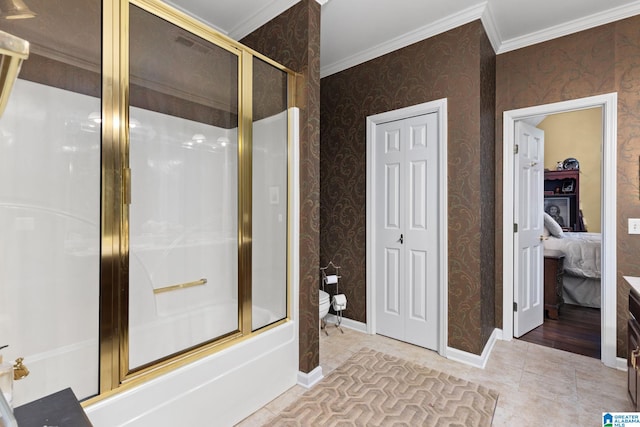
<point x="581" y="291"/>
<point x="581" y="253"/>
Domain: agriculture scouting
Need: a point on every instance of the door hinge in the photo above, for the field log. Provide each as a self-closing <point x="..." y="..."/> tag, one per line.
<point x="515" y="306"/>
<point x="515" y="227"/>
<point x="516" y="147"/>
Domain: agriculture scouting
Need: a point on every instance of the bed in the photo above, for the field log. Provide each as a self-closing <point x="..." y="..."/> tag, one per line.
<point x="582" y="261"/>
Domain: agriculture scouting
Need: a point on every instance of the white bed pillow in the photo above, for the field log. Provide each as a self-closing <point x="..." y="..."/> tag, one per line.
<point x="545" y="231"/>
<point x="554" y="228"/>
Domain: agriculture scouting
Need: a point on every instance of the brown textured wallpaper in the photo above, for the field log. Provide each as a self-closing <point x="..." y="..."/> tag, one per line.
<point x="601" y="60"/>
<point x="293" y="40"/>
<point x="49" y="72"/>
<point x="487" y="183"/>
<point x="458" y="65"/>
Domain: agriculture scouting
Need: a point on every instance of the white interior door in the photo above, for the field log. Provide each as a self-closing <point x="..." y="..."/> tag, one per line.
<point x="406" y="256"/>
<point x="528" y="261"/>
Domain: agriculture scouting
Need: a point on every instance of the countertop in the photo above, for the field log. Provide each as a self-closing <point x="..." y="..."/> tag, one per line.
<point x="634" y="282"/>
<point x="60" y="409"/>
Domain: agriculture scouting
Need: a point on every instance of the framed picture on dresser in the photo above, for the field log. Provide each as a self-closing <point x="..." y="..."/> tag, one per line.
<point x="559" y="208"/>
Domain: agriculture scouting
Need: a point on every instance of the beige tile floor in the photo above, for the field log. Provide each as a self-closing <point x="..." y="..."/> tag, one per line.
<point x="538" y="385"/>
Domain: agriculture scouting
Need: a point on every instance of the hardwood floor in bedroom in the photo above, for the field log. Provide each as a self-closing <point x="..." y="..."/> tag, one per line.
<point x="577" y="330"/>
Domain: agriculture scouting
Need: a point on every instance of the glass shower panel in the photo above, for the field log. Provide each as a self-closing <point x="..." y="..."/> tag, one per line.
<point x="269" y="229"/>
<point x="50" y="148"/>
<point x="183" y="219"/>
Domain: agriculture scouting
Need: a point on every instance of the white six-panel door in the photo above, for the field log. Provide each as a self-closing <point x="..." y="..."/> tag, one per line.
<point x="528" y="267"/>
<point x="406" y="255"/>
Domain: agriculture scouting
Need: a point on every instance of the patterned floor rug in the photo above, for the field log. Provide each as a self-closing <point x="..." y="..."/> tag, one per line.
<point x="376" y="389"/>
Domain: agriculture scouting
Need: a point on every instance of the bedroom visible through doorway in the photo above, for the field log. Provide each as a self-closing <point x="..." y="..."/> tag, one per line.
<point x="609" y="104"/>
<point x="572" y="244"/>
<point x="572" y="187"/>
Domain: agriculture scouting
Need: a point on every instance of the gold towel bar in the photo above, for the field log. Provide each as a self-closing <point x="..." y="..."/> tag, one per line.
<point x="180" y="286"/>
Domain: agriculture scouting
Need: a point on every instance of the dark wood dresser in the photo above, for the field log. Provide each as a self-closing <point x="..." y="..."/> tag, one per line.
<point x="633" y="347"/>
<point x="553" y="272"/>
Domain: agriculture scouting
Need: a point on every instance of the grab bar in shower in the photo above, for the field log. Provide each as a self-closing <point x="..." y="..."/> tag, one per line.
<point x="180" y="286"/>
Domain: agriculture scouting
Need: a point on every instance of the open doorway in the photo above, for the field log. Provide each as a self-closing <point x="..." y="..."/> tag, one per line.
<point x="608" y="103"/>
<point x="572" y="199"/>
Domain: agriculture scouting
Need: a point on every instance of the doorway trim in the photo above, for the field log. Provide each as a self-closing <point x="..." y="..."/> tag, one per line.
<point x="608" y="103"/>
<point x="440" y="107"/>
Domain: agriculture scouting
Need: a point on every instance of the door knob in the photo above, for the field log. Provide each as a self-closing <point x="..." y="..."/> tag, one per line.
<point x="401" y="239"/>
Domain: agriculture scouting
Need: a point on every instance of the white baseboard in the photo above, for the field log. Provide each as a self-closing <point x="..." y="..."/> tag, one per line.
<point x="499" y="335"/>
<point x="310" y="379"/>
<point x="313" y="377"/>
<point x="347" y="323"/>
<point x="479" y="361"/>
<point x="621" y="364"/>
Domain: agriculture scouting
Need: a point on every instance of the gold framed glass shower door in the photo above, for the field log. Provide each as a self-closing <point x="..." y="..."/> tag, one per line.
<point x="183" y="216"/>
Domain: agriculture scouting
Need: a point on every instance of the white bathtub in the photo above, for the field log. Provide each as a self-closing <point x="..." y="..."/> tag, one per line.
<point x="219" y="390"/>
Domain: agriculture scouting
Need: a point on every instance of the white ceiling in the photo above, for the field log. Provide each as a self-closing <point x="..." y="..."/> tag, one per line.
<point x="355" y="31"/>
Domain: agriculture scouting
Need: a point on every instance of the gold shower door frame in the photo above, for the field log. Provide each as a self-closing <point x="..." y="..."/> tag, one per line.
<point x="115" y="374"/>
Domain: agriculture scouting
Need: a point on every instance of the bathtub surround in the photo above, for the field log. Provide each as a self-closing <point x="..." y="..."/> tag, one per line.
<point x="277" y="349"/>
<point x="59" y="255"/>
<point x="166" y="158"/>
<point x="177" y="235"/>
<point x="50" y="222"/>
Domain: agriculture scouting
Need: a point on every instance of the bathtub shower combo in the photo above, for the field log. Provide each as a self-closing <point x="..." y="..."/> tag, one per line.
<point x="162" y="252"/>
<point x="185" y="231"/>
